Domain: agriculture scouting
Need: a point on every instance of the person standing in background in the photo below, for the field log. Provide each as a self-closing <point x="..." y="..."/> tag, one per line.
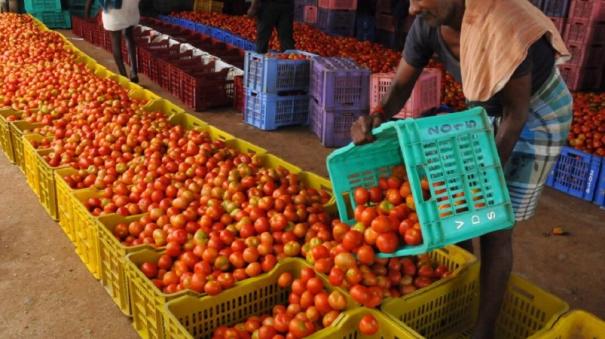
<point x="270" y="14"/>
<point x="118" y="16"/>
<point x="400" y="13"/>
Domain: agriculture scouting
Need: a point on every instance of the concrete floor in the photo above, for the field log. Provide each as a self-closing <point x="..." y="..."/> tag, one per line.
<point x="48" y="293"/>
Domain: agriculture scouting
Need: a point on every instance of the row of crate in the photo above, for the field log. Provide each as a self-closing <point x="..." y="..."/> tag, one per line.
<point x="330" y="110"/>
<point x="582" y="25"/>
<point x="446" y="306"/>
<point x="580" y="175"/>
<point x="200" y="79"/>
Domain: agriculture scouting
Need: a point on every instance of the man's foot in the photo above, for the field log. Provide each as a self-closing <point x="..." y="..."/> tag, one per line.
<point x="134" y="79"/>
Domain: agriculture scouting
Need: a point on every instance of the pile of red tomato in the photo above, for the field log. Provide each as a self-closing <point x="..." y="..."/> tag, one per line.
<point x="310" y="307"/>
<point x="587" y="131"/>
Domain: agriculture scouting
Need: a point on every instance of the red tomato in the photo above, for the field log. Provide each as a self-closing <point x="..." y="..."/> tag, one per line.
<point x="362" y="196"/>
<point x="387" y="242"/>
<point x="413" y="237"/>
<point x="368" y="325"/>
<point x="285" y="280"/>
<point x="337" y="301"/>
<point x="336" y="276"/>
<point x="315" y="285"/>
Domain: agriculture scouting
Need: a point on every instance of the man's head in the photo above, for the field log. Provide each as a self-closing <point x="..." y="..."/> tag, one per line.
<point x="438" y="12"/>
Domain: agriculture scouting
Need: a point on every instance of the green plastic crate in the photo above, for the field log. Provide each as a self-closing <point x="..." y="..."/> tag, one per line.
<point x="42" y="5"/>
<point x="59" y="19"/>
<point x="457" y="155"/>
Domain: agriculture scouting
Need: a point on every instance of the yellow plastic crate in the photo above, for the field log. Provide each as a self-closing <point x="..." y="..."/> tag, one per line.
<point x="191" y="317"/>
<point x="17" y="130"/>
<point x="574" y="325"/>
<point x="188" y="121"/>
<point x="146" y="300"/>
<point x="450" y="309"/>
<point x="39" y="23"/>
<point x="85" y="231"/>
<point x="30" y="162"/>
<point x="112" y="257"/>
<point x="346" y="327"/>
<point x="5" y="135"/>
<point x="143" y="94"/>
<point x="164" y="106"/>
<point x="46" y="180"/>
<point x="65" y="202"/>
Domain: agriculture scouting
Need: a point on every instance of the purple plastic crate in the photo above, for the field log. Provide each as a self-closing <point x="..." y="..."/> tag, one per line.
<point x="556" y="8"/>
<point x="336" y="22"/>
<point x="332" y="127"/>
<point x="339" y="84"/>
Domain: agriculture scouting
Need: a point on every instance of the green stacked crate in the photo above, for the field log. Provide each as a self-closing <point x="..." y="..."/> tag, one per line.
<point x="49" y="12"/>
<point x="76" y="8"/>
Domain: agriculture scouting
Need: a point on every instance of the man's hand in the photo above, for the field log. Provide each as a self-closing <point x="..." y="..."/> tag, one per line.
<point x="361" y="130"/>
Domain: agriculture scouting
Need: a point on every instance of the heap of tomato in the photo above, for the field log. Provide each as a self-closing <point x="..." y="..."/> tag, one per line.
<point x="587" y="131"/>
<point x="310" y="308"/>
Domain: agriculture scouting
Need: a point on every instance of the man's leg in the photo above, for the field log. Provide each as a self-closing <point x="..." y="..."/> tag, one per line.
<point x="116" y="48"/>
<point x="132" y="53"/>
<point x="496" y="266"/>
<point x="285" y="28"/>
<point x="267" y="19"/>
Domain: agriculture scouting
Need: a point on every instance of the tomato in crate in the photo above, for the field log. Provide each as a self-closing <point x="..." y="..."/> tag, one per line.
<point x="456" y="181"/>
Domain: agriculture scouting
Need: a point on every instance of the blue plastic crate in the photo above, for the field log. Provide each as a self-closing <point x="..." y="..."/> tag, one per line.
<point x="60" y="19"/>
<point x="336" y="22"/>
<point x="42" y="5"/>
<point x="249" y="45"/>
<point x="557" y="8"/>
<point x="332" y="127"/>
<point x="168" y="19"/>
<point x="599" y="194"/>
<point x="271" y="111"/>
<point x="271" y="75"/>
<point x="340" y="84"/>
<point x="575" y="173"/>
<point x="201" y="28"/>
<point x="456" y="153"/>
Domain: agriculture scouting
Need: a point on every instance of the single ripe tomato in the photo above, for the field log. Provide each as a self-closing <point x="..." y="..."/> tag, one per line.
<point x="413" y="236"/>
<point x="368" y="325"/>
<point x="365" y="255"/>
<point x="362" y="196"/>
<point x="387" y="242"/>
<point x="285" y="280"/>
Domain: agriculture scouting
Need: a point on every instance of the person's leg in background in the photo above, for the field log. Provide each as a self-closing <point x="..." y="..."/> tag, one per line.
<point x="285" y="27"/>
<point x="132" y="54"/>
<point x="116" y="48"/>
<point x="266" y="20"/>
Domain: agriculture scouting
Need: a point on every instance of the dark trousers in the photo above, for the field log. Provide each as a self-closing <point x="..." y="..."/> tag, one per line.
<point x="116" y="46"/>
<point x="280" y="16"/>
